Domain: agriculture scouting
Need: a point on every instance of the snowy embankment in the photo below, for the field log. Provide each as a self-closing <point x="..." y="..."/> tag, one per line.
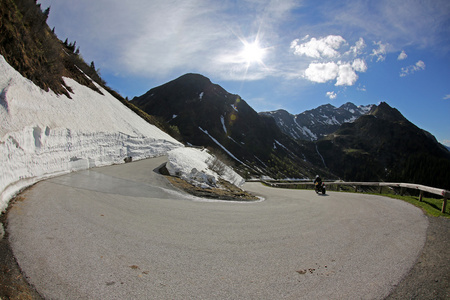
<point x="200" y="168"/>
<point x="43" y="134"/>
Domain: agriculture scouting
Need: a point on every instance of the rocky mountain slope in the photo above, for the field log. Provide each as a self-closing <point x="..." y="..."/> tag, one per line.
<point x="314" y="124"/>
<point x="207" y="115"/>
<point x="384" y="145"/>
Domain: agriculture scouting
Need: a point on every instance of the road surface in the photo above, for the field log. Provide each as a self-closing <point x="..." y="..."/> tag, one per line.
<point x="123" y="232"/>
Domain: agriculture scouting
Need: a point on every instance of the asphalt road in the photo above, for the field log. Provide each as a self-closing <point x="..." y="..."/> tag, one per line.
<point x="123" y="232"/>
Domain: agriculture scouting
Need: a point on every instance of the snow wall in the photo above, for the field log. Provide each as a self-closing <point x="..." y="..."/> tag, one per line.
<point x="43" y="134"/>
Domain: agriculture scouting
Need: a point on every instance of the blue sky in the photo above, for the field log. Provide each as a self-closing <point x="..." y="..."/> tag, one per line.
<point x="294" y="55"/>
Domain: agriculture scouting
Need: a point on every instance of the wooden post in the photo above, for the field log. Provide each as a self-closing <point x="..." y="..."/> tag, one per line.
<point x="444" y="205"/>
<point x="381" y="189"/>
<point x="420" y="196"/>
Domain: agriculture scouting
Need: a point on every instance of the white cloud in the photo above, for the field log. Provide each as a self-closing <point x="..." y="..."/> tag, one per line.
<point x="331" y="48"/>
<point x="446" y="143"/>
<point x="361" y="88"/>
<point x="305" y="37"/>
<point x="332" y="54"/>
<point x="346" y="76"/>
<point x="322" y="72"/>
<point x="402" y="55"/>
<point x="343" y="72"/>
<point x="358" y="47"/>
<point x="379" y="53"/>
<point x="359" y="65"/>
<point x="318" y="48"/>
<point x="331" y="95"/>
<point x="420" y="65"/>
<point x="446" y="97"/>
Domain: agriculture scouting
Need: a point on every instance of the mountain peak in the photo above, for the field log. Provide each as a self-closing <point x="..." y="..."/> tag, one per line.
<point x="193" y="80"/>
<point x="386" y="112"/>
<point x="327" y="106"/>
<point x="281" y="112"/>
<point x="193" y="77"/>
<point x="348" y="106"/>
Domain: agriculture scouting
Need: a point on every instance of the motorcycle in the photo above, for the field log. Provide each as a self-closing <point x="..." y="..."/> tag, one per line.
<point x="320" y="188"/>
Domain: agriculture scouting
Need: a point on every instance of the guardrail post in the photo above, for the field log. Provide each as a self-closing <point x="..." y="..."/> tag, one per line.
<point x="444" y="205"/>
<point x="420" y="196"/>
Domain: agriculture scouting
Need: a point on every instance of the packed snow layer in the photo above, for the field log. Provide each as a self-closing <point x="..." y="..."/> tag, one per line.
<point x="200" y="168"/>
<point x="43" y="134"/>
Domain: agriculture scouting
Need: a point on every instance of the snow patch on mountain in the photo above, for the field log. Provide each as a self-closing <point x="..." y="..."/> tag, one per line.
<point x="222" y="120"/>
<point x="221" y="146"/>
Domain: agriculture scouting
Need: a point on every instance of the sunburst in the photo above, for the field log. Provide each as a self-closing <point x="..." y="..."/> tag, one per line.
<point x="253" y="53"/>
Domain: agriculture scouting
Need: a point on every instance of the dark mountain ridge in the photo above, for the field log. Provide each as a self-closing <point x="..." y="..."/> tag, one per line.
<point x="384" y="146"/>
<point x="207" y="115"/>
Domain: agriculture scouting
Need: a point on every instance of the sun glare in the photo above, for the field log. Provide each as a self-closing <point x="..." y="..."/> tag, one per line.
<point x="252" y="52"/>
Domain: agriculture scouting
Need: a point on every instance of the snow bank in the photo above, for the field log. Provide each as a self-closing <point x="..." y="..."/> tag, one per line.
<point x="200" y="168"/>
<point x="43" y="134"/>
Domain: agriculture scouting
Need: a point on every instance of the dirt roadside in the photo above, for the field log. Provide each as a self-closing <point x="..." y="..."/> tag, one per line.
<point x="428" y="279"/>
<point x="430" y="276"/>
<point x="13" y="284"/>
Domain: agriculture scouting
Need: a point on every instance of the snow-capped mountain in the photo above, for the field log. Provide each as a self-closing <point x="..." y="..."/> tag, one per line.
<point x="313" y="124"/>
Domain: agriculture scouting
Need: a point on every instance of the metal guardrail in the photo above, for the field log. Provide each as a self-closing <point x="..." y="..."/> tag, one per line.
<point x="422" y="188"/>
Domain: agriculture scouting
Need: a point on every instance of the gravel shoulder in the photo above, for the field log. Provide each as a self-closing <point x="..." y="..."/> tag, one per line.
<point x="13" y="284"/>
<point x="430" y="276"/>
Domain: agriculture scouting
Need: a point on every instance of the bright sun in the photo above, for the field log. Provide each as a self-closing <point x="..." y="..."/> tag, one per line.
<point x="252" y="53"/>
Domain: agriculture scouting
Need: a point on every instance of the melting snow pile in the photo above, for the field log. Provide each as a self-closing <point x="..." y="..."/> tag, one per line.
<point x="200" y="168"/>
<point x="43" y="134"/>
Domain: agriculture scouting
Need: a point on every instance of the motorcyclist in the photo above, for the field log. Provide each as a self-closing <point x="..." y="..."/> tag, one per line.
<point x="318" y="182"/>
